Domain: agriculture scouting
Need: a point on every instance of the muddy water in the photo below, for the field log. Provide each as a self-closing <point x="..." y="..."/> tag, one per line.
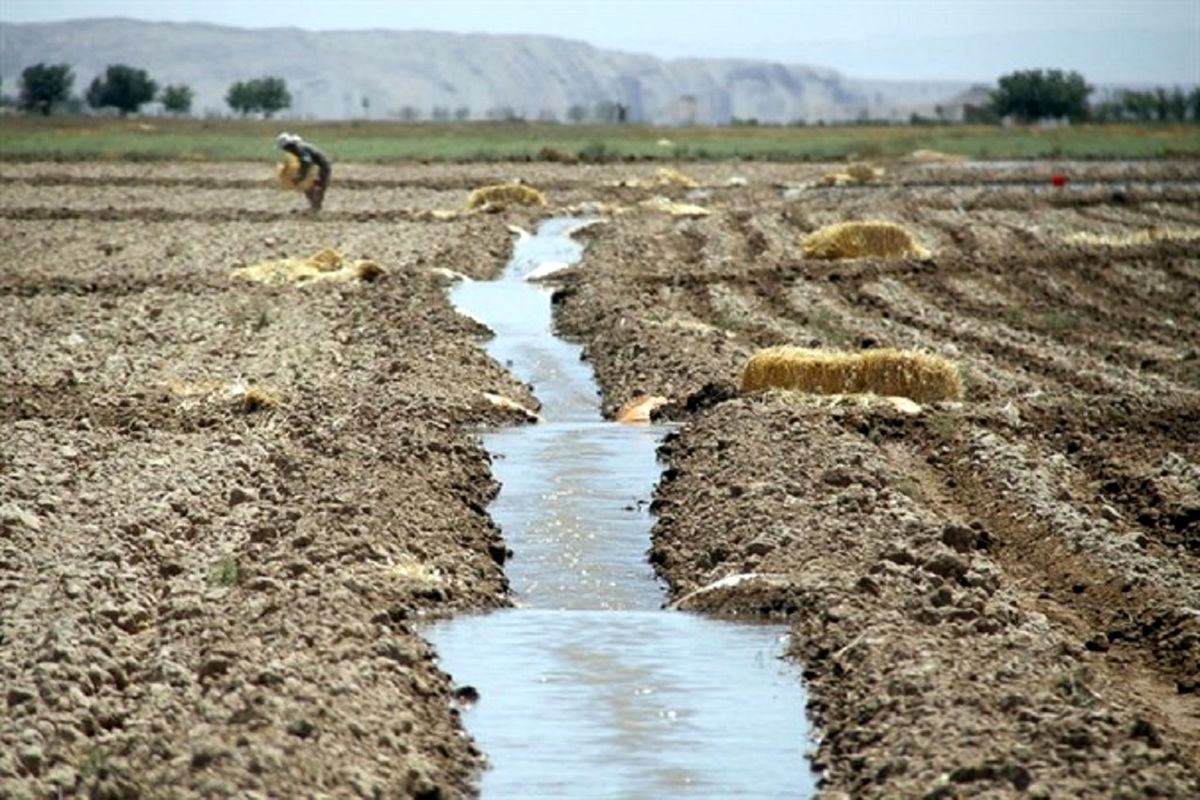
<point x="587" y="689"/>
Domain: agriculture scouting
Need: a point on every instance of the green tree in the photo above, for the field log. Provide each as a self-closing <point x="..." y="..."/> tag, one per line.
<point x="44" y="85"/>
<point x="240" y="97"/>
<point x="177" y="99"/>
<point x="265" y="95"/>
<point x="462" y="114"/>
<point x="1194" y="102"/>
<point x="122" y="87"/>
<point x="1139" y="105"/>
<point x="1178" y="105"/>
<point x="1035" y="94"/>
<point x="272" y="94"/>
<point x="1162" y="104"/>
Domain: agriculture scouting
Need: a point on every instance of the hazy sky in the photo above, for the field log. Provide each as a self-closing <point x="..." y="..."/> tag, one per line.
<point x="1109" y="41"/>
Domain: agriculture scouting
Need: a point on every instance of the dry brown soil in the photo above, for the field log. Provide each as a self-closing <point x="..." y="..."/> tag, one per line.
<point x="994" y="598"/>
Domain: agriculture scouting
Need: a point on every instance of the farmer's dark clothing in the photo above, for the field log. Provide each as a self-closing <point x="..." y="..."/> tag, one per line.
<point x="310" y="157"/>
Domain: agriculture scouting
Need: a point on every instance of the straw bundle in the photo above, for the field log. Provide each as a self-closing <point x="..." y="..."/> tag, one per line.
<point x="899" y="373"/>
<point x="288" y="172"/>
<point x="862" y="240"/>
<point x="325" y="266"/>
<point x="503" y="194"/>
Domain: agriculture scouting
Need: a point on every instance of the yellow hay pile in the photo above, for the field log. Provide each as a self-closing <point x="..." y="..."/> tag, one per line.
<point x="664" y="177"/>
<point x="897" y="373"/>
<point x="505" y="194"/>
<point x="858" y="172"/>
<point x="595" y="208"/>
<point x="437" y="214"/>
<point x="239" y="395"/>
<point x="668" y="206"/>
<point x="835" y="179"/>
<point x="326" y="266"/>
<point x="863" y="172"/>
<point x="933" y="157"/>
<point x="289" y="174"/>
<point x="1136" y="238"/>
<point x="862" y="240"/>
<point x="671" y="177"/>
<point x="408" y="573"/>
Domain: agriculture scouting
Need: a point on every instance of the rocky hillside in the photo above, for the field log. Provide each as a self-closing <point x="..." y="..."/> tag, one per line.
<point x="380" y="73"/>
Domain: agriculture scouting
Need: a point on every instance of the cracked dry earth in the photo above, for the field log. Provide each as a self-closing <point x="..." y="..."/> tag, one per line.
<point x="203" y="596"/>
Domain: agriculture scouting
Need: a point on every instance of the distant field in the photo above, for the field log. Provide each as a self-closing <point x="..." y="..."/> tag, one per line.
<point x="74" y="139"/>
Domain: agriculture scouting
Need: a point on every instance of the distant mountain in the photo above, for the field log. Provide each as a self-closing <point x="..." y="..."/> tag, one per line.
<point x="378" y="73"/>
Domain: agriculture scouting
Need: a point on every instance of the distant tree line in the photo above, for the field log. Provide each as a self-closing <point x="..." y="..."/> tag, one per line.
<point x="1024" y="95"/>
<point x="1153" y="105"/>
<point x="45" y="88"/>
<point x="1033" y="95"/>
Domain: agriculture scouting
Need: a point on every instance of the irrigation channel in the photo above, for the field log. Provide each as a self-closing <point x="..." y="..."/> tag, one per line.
<point x="588" y="687"/>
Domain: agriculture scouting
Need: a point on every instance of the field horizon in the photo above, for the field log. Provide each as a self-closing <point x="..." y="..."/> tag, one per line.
<point x="25" y="138"/>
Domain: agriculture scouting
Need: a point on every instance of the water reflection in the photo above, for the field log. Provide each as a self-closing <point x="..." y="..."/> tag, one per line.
<point x="587" y="689"/>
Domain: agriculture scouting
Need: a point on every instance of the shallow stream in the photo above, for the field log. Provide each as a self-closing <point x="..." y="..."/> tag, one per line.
<point x="587" y="688"/>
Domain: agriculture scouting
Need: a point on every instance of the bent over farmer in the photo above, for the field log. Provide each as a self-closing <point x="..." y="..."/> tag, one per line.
<point x="308" y="169"/>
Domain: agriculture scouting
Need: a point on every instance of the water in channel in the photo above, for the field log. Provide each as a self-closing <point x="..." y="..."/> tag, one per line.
<point x="588" y="689"/>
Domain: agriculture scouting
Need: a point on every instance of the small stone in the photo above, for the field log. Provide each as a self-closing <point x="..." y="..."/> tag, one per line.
<point x="214" y="666"/>
<point x="1146" y="731"/>
<point x="62" y="776"/>
<point x="1040" y="791"/>
<point x="838" y="476"/>
<point x="959" y="537"/>
<point x="31" y="757"/>
<point x="13" y="516"/>
<point x="466" y="695"/>
<point x="940" y="789"/>
<point x="759" y="547"/>
<point x="942" y="597"/>
<point x="899" y="555"/>
<point x="837" y="613"/>
<point x="301" y="728"/>
<point x="1019" y="776"/>
<point x="947" y="565"/>
<point x="238" y="495"/>
<point x="868" y="585"/>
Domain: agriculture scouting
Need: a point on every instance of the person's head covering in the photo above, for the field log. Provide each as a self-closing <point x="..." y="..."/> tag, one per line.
<point x="284" y="139"/>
